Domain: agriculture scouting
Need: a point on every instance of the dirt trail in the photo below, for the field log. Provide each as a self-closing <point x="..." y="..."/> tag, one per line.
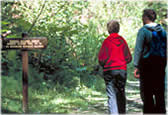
<point x="98" y="103"/>
<point x="134" y="103"/>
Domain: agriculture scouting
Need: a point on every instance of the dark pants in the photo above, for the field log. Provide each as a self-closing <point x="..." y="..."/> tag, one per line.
<point x="152" y="85"/>
<point x="115" y="87"/>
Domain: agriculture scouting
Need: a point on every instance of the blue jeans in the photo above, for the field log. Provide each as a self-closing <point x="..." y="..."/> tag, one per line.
<point x="115" y="87"/>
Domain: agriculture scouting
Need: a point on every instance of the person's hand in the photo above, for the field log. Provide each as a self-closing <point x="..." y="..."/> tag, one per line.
<point x="136" y="73"/>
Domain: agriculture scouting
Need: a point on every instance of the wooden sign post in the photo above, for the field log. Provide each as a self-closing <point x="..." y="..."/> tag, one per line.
<point x="24" y="44"/>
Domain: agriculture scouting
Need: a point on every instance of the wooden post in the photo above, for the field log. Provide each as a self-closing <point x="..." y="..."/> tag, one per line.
<point x="25" y="78"/>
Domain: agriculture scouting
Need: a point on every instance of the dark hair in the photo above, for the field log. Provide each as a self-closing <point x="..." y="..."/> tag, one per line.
<point x="113" y="26"/>
<point x="150" y="13"/>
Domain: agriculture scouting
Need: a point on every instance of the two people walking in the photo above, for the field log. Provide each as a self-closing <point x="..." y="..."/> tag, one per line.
<point x="149" y="62"/>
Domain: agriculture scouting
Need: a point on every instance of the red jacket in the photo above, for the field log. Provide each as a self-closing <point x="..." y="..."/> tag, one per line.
<point x="114" y="53"/>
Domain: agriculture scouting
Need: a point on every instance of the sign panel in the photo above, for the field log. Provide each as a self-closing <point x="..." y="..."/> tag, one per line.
<point x="28" y="43"/>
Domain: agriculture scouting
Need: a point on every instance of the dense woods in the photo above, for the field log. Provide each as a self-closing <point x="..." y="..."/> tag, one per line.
<point x="66" y="77"/>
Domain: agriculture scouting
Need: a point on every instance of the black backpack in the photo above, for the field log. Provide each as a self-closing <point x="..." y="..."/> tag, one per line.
<point x="158" y="43"/>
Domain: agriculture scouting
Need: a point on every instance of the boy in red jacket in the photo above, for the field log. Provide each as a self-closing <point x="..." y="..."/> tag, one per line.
<point x="114" y="56"/>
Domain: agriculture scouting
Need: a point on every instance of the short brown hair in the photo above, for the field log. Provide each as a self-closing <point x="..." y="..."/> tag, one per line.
<point x="150" y="13"/>
<point x="113" y="26"/>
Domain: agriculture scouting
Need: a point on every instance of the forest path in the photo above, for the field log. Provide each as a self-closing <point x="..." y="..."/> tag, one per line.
<point x="97" y="104"/>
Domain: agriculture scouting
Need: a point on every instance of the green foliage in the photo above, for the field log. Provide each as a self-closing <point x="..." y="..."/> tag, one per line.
<point x="75" y="31"/>
<point x="11" y="94"/>
<point x="68" y="68"/>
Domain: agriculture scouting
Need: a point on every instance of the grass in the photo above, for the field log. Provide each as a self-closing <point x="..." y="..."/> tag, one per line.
<point x="48" y="100"/>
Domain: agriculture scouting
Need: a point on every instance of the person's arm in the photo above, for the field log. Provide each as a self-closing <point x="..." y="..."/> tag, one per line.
<point x="127" y="53"/>
<point x="138" y="51"/>
<point x="139" y="47"/>
<point x="103" y="54"/>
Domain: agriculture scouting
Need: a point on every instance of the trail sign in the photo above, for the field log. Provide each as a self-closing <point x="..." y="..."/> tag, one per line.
<point x="24" y="44"/>
<point x="27" y="43"/>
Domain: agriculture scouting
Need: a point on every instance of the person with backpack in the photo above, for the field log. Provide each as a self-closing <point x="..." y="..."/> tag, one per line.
<point x="114" y="55"/>
<point x="150" y="63"/>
